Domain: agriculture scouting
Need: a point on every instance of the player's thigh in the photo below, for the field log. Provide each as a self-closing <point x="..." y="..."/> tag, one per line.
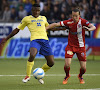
<point x="33" y="51"/>
<point x="50" y="60"/>
<point x="68" y="62"/>
<point x="46" y="49"/>
<point x="81" y="56"/>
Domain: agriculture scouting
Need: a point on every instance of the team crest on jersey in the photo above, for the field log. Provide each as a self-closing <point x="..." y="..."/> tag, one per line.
<point x="69" y="52"/>
<point x="79" y="25"/>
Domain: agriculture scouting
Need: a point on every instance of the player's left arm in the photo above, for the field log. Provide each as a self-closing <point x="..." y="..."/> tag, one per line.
<point x="53" y="26"/>
<point x="57" y="28"/>
<point x="90" y="27"/>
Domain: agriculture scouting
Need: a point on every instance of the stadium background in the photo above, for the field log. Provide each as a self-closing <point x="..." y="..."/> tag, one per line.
<point x="12" y="11"/>
<point x="14" y="55"/>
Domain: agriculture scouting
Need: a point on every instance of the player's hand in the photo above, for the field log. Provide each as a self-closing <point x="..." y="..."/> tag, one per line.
<point x="86" y="28"/>
<point x="3" y="42"/>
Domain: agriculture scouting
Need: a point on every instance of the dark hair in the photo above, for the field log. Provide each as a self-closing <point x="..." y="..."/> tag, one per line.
<point x="76" y="10"/>
<point x="35" y="5"/>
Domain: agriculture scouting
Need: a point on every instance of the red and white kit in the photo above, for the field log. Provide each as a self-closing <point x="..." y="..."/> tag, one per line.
<point x="76" y="38"/>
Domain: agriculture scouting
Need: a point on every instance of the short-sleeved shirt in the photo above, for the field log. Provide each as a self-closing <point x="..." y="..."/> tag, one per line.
<point x="76" y="36"/>
<point x="36" y="26"/>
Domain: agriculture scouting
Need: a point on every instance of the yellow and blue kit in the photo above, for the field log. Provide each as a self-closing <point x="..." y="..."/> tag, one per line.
<point x="38" y="32"/>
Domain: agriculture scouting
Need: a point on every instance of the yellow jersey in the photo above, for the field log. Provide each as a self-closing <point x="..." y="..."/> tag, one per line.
<point x="36" y="26"/>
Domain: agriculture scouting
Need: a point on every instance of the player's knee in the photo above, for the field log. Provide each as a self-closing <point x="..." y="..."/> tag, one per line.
<point x="31" y="58"/>
<point x="51" y="64"/>
<point x="67" y="65"/>
<point x="83" y="68"/>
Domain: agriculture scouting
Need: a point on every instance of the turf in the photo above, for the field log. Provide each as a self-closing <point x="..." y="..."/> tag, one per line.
<point x="18" y="67"/>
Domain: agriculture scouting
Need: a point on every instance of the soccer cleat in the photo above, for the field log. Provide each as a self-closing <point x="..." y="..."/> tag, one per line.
<point x="41" y="81"/>
<point x="81" y="80"/>
<point x="26" y="79"/>
<point x="66" y="79"/>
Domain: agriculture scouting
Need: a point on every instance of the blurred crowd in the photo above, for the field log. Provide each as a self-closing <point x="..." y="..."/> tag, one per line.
<point x="54" y="10"/>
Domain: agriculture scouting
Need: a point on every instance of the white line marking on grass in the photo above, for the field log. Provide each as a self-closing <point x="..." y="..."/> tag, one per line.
<point x="80" y="89"/>
<point x="72" y="74"/>
<point x="55" y="75"/>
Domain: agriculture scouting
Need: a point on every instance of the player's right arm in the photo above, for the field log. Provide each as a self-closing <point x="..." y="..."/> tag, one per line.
<point x="15" y="31"/>
<point x="53" y="25"/>
<point x="57" y="26"/>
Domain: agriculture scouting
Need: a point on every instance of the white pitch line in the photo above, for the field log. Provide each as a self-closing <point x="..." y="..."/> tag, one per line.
<point x="79" y="89"/>
<point x="55" y="75"/>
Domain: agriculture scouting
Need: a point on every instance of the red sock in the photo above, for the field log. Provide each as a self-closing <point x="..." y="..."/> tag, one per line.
<point x="82" y="71"/>
<point x="67" y="70"/>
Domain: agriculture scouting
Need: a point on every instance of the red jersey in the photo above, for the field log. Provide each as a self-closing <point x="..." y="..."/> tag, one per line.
<point x="76" y="35"/>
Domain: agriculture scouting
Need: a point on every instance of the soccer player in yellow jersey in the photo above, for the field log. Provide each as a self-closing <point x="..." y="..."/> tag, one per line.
<point x="39" y="40"/>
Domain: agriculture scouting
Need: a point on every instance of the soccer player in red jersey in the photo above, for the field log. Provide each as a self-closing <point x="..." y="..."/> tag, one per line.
<point x="76" y="42"/>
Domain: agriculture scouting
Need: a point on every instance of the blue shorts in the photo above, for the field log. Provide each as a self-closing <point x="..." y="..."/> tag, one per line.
<point x="42" y="46"/>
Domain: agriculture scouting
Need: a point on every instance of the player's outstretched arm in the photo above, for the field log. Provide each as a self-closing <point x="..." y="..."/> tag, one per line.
<point x="57" y="28"/>
<point x="14" y="32"/>
<point x="91" y="27"/>
<point x="52" y="26"/>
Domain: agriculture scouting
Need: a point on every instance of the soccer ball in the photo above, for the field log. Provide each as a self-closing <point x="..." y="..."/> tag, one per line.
<point x="38" y="73"/>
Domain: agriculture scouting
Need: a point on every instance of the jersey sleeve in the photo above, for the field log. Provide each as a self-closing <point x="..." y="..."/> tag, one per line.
<point x="23" y="24"/>
<point x="85" y="22"/>
<point x="64" y="23"/>
<point x="46" y="23"/>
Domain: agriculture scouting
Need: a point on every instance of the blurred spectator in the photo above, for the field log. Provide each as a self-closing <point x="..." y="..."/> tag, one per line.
<point x="85" y="4"/>
<point x="50" y="5"/>
<point x="45" y="12"/>
<point x="96" y="12"/>
<point x="98" y="2"/>
<point x="33" y="1"/>
<point x="13" y="14"/>
<point x="4" y="4"/>
<point x="41" y="4"/>
<point x="65" y="12"/>
<point x="56" y="14"/>
<point x="20" y="3"/>
<point x="63" y="4"/>
<point x="28" y="7"/>
<point x="92" y="4"/>
<point x="82" y="11"/>
<point x="0" y="10"/>
<point x="6" y="14"/>
<point x="94" y="19"/>
<point x="13" y="3"/>
<point x="62" y="17"/>
<point x="88" y="14"/>
<point x="69" y="5"/>
<point x="21" y="13"/>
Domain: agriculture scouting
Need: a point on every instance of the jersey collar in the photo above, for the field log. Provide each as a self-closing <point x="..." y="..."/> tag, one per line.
<point x="34" y="17"/>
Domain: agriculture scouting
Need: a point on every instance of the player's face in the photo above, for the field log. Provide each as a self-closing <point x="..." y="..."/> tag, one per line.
<point x="35" y="11"/>
<point x="75" y="16"/>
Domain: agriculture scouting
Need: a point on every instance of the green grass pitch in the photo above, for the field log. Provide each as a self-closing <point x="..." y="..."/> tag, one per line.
<point x="53" y="79"/>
